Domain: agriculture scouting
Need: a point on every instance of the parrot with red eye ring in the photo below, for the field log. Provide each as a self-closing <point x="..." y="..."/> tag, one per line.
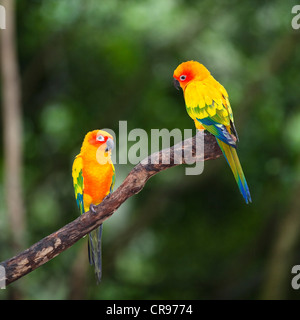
<point x="93" y="179"/>
<point x="208" y="105"/>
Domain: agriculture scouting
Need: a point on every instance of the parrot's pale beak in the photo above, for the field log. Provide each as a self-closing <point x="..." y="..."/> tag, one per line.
<point x="176" y="84"/>
<point x="109" y="144"/>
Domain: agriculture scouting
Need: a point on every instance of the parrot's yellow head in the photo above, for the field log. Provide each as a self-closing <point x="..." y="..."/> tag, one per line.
<point x="100" y="141"/>
<point x="189" y="71"/>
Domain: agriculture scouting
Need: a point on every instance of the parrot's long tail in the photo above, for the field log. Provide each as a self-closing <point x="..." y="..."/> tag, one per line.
<point x="232" y="158"/>
<point x="94" y="249"/>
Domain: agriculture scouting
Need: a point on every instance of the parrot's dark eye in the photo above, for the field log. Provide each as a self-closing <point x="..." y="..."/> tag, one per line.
<point x="182" y="78"/>
<point x="100" y="138"/>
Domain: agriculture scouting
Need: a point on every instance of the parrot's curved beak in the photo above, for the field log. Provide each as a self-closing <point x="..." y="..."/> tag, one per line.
<point x="176" y="83"/>
<point x="109" y="144"/>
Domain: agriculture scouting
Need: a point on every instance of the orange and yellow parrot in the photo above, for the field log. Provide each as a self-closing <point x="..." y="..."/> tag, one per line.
<point x="208" y="105"/>
<point x="93" y="178"/>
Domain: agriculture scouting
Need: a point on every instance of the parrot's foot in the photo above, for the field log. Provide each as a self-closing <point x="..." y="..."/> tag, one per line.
<point x="92" y="209"/>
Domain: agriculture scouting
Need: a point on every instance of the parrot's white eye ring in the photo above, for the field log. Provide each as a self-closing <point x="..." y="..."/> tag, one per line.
<point x="182" y="77"/>
<point x="100" y="138"/>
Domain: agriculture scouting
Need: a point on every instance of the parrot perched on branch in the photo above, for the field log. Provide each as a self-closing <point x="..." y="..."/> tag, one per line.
<point x="208" y="105"/>
<point x="93" y="178"/>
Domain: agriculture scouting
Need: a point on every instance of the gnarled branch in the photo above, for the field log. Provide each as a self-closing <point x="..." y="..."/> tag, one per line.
<point x="52" y="245"/>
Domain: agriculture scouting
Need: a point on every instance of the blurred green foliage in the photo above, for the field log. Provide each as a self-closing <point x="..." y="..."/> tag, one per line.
<point x="90" y="64"/>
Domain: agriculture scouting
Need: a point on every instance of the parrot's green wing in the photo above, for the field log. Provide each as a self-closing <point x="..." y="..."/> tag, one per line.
<point x="208" y="103"/>
<point x="206" y="100"/>
<point x="78" y="182"/>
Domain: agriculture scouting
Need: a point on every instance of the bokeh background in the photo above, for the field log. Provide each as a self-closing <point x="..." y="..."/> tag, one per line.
<point x="86" y="65"/>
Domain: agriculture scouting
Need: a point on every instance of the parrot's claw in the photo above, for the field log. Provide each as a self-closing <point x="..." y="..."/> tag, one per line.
<point x="92" y="209"/>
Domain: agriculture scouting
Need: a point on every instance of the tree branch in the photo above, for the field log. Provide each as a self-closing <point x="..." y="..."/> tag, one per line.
<point x="52" y="245"/>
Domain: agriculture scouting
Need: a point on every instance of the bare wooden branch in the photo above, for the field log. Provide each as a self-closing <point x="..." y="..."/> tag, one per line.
<point x="52" y="245"/>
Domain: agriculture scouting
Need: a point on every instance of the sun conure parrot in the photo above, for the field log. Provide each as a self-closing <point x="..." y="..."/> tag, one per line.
<point x="93" y="178"/>
<point x="208" y="105"/>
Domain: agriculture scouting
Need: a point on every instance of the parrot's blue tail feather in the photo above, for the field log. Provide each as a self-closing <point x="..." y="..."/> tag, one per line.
<point x="231" y="156"/>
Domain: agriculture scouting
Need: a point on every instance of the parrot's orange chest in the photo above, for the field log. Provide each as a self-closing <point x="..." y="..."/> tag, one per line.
<point x="97" y="179"/>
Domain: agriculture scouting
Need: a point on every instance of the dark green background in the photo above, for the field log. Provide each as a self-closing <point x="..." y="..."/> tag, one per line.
<point x="89" y="64"/>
